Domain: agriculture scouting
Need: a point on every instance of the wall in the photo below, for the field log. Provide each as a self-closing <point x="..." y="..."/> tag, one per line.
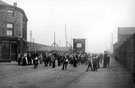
<point x="2" y="21"/>
<point x="125" y="54"/>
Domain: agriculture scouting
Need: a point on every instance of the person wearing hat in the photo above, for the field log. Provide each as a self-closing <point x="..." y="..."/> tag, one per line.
<point x="89" y="63"/>
<point x="95" y="62"/>
<point x="65" y="62"/>
<point x="53" y="61"/>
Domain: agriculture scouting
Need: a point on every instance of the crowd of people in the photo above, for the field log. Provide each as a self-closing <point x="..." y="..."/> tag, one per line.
<point x="51" y="58"/>
<point x="54" y="59"/>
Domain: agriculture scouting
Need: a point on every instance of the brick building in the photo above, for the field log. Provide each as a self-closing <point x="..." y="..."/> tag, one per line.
<point x="13" y="31"/>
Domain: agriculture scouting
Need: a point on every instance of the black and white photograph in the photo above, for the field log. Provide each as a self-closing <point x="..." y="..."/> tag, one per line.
<point x="67" y="43"/>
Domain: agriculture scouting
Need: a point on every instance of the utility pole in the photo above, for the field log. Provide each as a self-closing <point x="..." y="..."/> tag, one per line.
<point x="54" y="39"/>
<point x="65" y="36"/>
<point x="59" y="42"/>
<point x="54" y="43"/>
<point x="30" y="40"/>
<point x="30" y="36"/>
<point x="111" y="45"/>
<point x="33" y="45"/>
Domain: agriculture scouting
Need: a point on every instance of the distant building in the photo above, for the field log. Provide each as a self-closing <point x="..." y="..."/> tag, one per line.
<point x="123" y="34"/>
<point x="13" y="31"/>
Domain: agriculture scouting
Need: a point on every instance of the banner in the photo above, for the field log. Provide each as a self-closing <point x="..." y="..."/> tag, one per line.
<point x="79" y="45"/>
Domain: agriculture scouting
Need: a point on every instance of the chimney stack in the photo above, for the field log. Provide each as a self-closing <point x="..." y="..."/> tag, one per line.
<point x="15" y="4"/>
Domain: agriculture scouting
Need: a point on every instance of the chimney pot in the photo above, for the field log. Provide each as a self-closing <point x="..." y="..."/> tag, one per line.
<point x="15" y="4"/>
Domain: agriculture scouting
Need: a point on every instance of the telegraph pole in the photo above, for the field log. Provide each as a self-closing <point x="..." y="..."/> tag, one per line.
<point x="111" y="45"/>
<point x="65" y="36"/>
<point x="54" y="39"/>
<point x="33" y="44"/>
<point x="30" y="40"/>
<point x="54" y="43"/>
<point x="30" y="36"/>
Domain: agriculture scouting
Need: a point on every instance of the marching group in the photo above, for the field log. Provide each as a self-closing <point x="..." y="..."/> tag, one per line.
<point x="50" y="59"/>
<point x="63" y="59"/>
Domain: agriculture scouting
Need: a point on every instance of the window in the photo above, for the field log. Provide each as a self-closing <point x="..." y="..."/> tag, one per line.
<point x="10" y="12"/>
<point x="9" y="29"/>
<point x="9" y="32"/>
<point x="9" y="25"/>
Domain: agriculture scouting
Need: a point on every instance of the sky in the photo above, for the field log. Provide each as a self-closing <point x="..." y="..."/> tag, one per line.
<point x="95" y="20"/>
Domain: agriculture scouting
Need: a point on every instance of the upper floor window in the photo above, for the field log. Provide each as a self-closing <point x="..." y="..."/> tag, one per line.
<point x="10" y="12"/>
<point x="9" y="25"/>
<point x="10" y="29"/>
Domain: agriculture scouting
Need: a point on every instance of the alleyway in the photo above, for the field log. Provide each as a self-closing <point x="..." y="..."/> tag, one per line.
<point x="14" y="76"/>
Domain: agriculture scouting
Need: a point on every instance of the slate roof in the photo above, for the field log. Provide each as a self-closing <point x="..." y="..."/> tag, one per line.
<point x="41" y="47"/>
<point x="126" y="30"/>
<point x="3" y="3"/>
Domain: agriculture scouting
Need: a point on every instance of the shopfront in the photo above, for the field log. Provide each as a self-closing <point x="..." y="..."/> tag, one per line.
<point x="10" y="47"/>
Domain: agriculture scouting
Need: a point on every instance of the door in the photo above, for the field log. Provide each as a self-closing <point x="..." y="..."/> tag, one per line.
<point x="14" y="51"/>
<point x="9" y="51"/>
<point x="5" y="51"/>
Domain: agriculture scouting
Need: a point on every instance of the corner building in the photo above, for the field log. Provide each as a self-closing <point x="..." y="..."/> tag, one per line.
<point x="13" y="31"/>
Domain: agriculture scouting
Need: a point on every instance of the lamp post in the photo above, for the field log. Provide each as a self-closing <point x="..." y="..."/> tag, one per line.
<point x="33" y="45"/>
<point x="19" y="39"/>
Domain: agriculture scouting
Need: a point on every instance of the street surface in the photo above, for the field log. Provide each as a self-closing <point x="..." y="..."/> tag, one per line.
<point x="14" y="76"/>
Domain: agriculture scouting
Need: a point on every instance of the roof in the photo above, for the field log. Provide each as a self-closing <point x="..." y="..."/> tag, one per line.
<point x="41" y="47"/>
<point x="11" y="6"/>
<point x="126" y="30"/>
<point x="35" y="45"/>
<point x="54" y="49"/>
<point x="3" y="3"/>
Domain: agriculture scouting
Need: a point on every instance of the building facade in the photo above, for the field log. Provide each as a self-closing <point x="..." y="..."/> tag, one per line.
<point x="13" y="31"/>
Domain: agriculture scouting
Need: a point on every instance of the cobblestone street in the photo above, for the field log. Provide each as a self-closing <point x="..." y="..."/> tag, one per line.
<point x="14" y="76"/>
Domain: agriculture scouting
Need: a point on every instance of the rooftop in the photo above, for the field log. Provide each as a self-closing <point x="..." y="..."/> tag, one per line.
<point x="41" y="47"/>
<point x="126" y="30"/>
<point x="3" y="3"/>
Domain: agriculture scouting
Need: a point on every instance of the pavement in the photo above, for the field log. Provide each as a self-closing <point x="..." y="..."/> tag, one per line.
<point x="14" y="76"/>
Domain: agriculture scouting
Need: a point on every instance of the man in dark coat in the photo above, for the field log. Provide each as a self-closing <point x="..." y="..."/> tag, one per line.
<point x="106" y="60"/>
<point x="35" y="61"/>
<point x="98" y="61"/>
<point x="89" y="63"/>
<point x="53" y="61"/>
<point x="29" y="59"/>
<point x="75" y="60"/>
<point x="45" y="59"/>
<point x="65" y="62"/>
<point x="95" y="62"/>
<point x="19" y="59"/>
<point x="59" y="59"/>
